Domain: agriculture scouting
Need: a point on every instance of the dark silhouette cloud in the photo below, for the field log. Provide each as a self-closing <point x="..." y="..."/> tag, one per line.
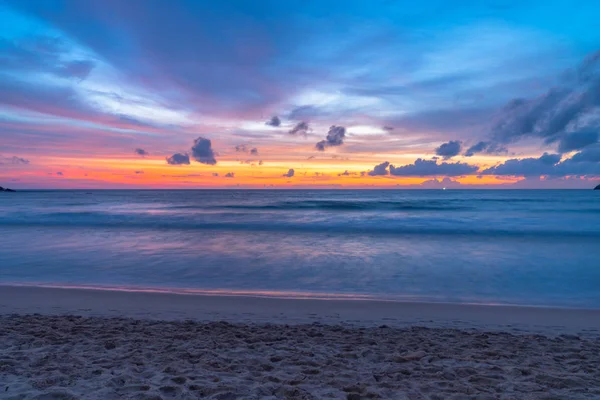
<point x="577" y="141"/>
<point x="202" y="151"/>
<point x="589" y="154"/>
<point x="290" y="173"/>
<point x="432" y="168"/>
<point x="139" y="172"/>
<point x="584" y="163"/>
<point x="59" y="173"/>
<point x="388" y="128"/>
<point x="215" y="174"/>
<point x="274" y="121"/>
<point x="449" y="150"/>
<point x="260" y="162"/>
<point x="554" y="114"/>
<point x="300" y="128"/>
<point x="141" y="152"/>
<point x="485" y="147"/>
<point x="380" y="170"/>
<point x="178" y="159"/>
<point x="347" y="173"/>
<point x="335" y="137"/>
<point x="241" y="148"/>
<point x="254" y="151"/>
<point x="230" y="175"/>
<point x="526" y="166"/>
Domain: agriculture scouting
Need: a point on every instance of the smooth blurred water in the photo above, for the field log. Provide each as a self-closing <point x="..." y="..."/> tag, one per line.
<point x="493" y="246"/>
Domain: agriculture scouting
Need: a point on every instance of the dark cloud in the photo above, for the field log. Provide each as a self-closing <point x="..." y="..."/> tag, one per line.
<point x="230" y="175"/>
<point x="589" y="154"/>
<point x="254" y="151"/>
<point x="432" y="168"/>
<point x="260" y="162"/>
<point x="380" y="170"/>
<point x="202" y="151"/>
<point x="556" y="113"/>
<point x="543" y="165"/>
<point x="139" y="172"/>
<point x="581" y="164"/>
<point x="485" y="147"/>
<point x="335" y="137"/>
<point x="215" y="174"/>
<point x="301" y="128"/>
<point x="59" y="173"/>
<point x="347" y="173"/>
<point x="577" y="141"/>
<point x="388" y="128"/>
<point x="274" y="121"/>
<point x="178" y="159"/>
<point x="449" y="150"/>
<point x="141" y="152"/>
<point x="290" y="173"/>
<point x="241" y="148"/>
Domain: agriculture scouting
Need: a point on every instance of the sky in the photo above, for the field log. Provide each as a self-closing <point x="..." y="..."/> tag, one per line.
<point x="299" y="94"/>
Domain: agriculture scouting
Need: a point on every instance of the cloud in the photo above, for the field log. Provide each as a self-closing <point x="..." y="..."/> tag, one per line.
<point x="585" y="163"/>
<point x="445" y="183"/>
<point x="485" y="147"/>
<point x="335" y="137"/>
<point x="230" y="175"/>
<point x="274" y="121"/>
<point x="139" y="172"/>
<point x="449" y="150"/>
<point x="387" y="128"/>
<point x="178" y="159"/>
<point x="141" y="152"/>
<point x="589" y="154"/>
<point x="380" y="170"/>
<point x="59" y="173"/>
<point x="241" y="148"/>
<point x="42" y="54"/>
<point x="432" y="168"/>
<point x="347" y="173"/>
<point x="16" y="161"/>
<point x="215" y="174"/>
<point x="290" y="173"/>
<point x="202" y="151"/>
<point x="557" y="113"/>
<point x="254" y="151"/>
<point x="301" y="128"/>
<point x="525" y="166"/>
<point x="577" y="141"/>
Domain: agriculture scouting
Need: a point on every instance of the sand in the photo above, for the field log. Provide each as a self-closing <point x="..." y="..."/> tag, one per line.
<point x="87" y="344"/>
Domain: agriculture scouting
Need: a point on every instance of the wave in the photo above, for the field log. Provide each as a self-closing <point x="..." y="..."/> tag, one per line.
<point x="333" y="205"/>
<point x="382" y="226"/>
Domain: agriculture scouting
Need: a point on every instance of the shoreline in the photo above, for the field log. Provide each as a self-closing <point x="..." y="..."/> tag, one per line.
<point x="169" y="306"/>
<point x="73" y="344"/>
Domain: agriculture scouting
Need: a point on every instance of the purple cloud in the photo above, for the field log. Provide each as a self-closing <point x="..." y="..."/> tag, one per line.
<point x="178" y="159"/>
<point x="202" y="151"/>
<point x="449" y="150"/>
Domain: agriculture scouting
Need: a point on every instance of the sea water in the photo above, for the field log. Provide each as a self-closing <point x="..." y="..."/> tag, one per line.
<point x="530" y="247"/>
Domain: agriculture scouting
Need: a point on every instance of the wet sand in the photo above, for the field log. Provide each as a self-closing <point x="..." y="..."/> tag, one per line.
<point x="87" y="344"/>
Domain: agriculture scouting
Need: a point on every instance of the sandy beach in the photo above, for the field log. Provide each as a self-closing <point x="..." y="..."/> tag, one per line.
<point x="91" y="344"/>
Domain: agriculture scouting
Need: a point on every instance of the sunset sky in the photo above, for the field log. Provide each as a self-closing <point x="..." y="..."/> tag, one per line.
<point x="289" y="94"/>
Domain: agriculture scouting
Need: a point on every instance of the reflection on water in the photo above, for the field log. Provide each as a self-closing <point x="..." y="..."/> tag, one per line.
<point x="470" y="246"/>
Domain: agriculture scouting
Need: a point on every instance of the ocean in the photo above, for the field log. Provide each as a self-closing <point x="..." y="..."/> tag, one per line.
<point x="526" y="247"/>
